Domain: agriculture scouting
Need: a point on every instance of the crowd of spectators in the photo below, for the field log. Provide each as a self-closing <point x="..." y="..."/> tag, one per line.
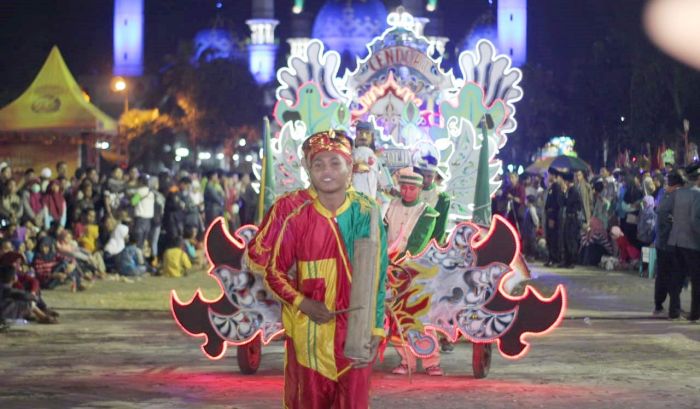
<point x="611" y="219"/>
<point x="74" y="230"/>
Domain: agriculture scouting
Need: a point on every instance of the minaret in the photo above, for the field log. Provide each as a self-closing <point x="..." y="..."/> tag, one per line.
<point x="512" y="30"/>
<point x="300" y="34"/>
<point x="262" y="47"/>
<point x="128" y="38"/>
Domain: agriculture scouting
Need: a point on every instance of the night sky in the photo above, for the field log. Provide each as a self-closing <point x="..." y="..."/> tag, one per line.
<point x="560" y="31"/>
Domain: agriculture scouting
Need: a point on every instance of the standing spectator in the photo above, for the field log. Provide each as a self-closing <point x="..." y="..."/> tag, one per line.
<point x="32" y="203"/>
<point x="515" y="196"/>
<point x="249" y="201"/>
<point x="5" y="173"/>
<point x="114" y="191"/>
<point x="552" y="207"/>
<point x="45" y="177"/>
<point x="647" y="221"/>
<point x="158" y="211"/>
<point x="29" y="176"/>
<point x="143" y="201"/>
<point x="10" y="203"/>
<point x="630" y="206"/>
<point x="214" y="198"/>
<point x="231" y="206"/>
<point x="586" y="193"/>
<point x="571" y="221"/>
<point x="176" y="205"/>
<point x="61" y="170"/>
<point x="531" y="223"/>
<point x="685" y="238"/>
<point x="54" y="205"/>
<point x="663" y="283"/>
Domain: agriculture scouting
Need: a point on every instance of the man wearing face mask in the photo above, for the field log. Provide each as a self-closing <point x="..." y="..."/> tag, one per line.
<point x="317" y="238"/>
<point x="410" y="221"/>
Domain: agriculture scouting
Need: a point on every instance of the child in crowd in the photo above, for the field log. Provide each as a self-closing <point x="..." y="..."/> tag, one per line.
<point x="117" y="241"/>
<point x="130" y="261"/>
<point x="90" y="231"/>
<point x="53" y="270"/>
<point x="176" y="262"/>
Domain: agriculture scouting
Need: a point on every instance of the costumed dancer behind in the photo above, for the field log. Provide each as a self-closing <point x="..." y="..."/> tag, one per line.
<point x="410" y="225"/>
<point x="317" y="239"/>
<point x="369" y="176"/>
<point x="440" y="201"/>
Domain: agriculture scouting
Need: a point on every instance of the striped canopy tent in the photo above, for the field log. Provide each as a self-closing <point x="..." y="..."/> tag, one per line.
<point x="53" y="120"/>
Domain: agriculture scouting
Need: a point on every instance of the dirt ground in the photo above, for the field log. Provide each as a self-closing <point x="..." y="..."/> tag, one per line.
<point x="117" y="346"/>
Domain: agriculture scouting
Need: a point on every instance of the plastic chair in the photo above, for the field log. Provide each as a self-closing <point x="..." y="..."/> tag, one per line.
<point x="648" y="258"/>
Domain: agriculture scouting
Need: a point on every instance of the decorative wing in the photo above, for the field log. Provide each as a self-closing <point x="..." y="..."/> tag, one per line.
<point x="243" y="311"/>
<point x="500" y="82"/>
<point x="458" y="290"/>
<point x="316" y="66"/>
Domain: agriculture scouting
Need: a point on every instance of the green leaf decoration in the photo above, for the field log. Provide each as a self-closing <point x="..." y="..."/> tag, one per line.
<point x="311" y="109"/>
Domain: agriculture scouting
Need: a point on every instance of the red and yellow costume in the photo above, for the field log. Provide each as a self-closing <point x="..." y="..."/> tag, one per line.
<point x="319" y="244"/>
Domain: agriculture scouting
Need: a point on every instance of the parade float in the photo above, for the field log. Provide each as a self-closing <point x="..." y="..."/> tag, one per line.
<point x="460" y="290"/>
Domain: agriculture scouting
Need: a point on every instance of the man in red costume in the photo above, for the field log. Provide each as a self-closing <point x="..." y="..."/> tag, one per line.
<point x="316" y="240"/>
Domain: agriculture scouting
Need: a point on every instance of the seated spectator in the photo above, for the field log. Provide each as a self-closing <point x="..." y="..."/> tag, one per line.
<point x="130" y="262"/>
<point x="117" y="241"/>
<point x="175" y="262"/>
<point x="90" y="263"/>
<point x="53" y="270"/>
<point x="628" y="255"/>
<point x="90" y="231"/>
<point x="26" y="279"/>
<point x="18" y="304"/>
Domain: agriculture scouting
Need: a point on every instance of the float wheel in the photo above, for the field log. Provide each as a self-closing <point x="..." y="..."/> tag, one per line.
<point x="249" y="356"/>
<point x="481" y="360"/>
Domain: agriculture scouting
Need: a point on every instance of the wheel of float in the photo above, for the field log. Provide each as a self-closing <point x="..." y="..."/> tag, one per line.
<point x="481" y="360"/>
<point x="249" y="356"/>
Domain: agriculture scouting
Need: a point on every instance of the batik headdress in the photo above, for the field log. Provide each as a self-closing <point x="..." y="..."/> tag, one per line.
<point x="328" y="141"/>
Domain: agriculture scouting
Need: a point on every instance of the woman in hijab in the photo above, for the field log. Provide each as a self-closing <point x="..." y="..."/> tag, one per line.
<point x="54" y="205"/>
<point x="32" y="203"/>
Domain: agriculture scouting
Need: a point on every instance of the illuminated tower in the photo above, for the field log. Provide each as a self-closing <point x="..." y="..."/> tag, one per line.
<point x="299" y="39"/>
<point x="262" y="47"/>
<point x="512" y="30"/>
<point x="128" y="38"/>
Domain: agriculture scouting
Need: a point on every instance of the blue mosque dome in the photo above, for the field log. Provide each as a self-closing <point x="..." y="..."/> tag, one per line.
<point x="347" y="26"/>
<point x="216" y="43"/>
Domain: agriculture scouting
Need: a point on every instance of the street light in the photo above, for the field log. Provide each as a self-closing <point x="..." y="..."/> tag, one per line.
<point x="119" y="85"/>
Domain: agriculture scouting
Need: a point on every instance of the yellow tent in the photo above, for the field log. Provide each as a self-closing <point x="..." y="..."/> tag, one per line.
<point x="53" y="121"/>
<point x="54" y="102"/>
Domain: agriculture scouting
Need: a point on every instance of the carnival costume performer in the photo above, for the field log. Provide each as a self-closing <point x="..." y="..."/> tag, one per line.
<point x="318" y="239"/>
<point x="440" y="201"/>
<point x="369" y="176"/>
<point x="410" y="224"/>
<point x="410" y="221"/>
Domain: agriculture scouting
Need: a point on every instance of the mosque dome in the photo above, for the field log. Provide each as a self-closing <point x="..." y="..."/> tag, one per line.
<point x="484" y="27"/>
<point x="347" y="26"/>
<point x="216" y="43"/>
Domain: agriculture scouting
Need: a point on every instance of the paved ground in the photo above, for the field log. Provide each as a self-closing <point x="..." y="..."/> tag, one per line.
<point x="118" y="347"/>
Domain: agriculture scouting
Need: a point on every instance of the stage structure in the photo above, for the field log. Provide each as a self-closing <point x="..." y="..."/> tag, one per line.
<point x="461" y="290"/>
